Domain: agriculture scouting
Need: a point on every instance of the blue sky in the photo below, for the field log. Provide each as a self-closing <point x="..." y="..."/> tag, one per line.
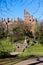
<point x="15" y="8"/>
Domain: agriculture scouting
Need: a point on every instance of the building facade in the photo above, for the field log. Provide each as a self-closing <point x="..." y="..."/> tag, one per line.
<point x="29" y="20"/>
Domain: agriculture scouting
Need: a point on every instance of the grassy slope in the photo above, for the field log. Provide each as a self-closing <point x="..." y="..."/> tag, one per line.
<point x="6" y="45"/>
<point x="36" y="49"/>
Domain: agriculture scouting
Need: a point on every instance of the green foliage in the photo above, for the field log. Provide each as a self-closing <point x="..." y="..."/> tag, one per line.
<point x="39" y="33"/>
<point x="18" y="32"/>
<point x="5" y="45"/>
<point x="3" y="33"/>
<point x="4" y="54"/>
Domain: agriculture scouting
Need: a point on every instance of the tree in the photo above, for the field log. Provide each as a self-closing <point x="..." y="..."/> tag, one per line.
<point x="27" y="30"/>
<point x="19" y="31"/>
<point x="2" y="30"/>
<point x="39" y="33"/>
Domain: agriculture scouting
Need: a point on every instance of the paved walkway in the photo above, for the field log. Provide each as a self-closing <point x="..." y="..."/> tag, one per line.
<point x="31" y="61"/>
<point x="15" y="53"/>
<point x="21" y="47"/>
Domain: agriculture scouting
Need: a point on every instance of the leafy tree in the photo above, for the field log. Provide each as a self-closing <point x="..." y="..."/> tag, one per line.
<point x="27" y="31"/>
<point x="39" y="33"/>
<point x="18" y="31"/>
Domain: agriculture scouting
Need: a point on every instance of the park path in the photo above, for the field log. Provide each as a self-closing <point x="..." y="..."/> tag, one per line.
<point x="31" y="61"/>
<point x="26" y="62"/>
<point x="20" y="47"/>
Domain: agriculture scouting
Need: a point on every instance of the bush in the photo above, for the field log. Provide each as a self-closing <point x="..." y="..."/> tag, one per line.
<point x="41" y="40"/>
<point x="4" y="54"/>
<point x="15" y="39"/>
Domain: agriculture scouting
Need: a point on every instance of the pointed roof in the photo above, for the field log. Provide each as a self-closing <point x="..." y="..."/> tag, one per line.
<point x="26" y="13"/>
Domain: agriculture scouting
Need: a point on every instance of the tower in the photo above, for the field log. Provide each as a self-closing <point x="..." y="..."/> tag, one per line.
<point x="30" y="21"/>
<point x="26" y="16"/>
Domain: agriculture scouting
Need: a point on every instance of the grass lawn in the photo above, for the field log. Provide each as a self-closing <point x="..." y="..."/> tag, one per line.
<point x="36" y="49"/>
<point x="5" y="45"/>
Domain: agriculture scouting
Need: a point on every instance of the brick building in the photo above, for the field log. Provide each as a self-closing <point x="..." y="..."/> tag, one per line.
<point x="29" y="20"/>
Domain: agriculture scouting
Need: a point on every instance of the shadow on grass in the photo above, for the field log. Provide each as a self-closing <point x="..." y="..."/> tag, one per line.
<point x="6" y="55"/>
